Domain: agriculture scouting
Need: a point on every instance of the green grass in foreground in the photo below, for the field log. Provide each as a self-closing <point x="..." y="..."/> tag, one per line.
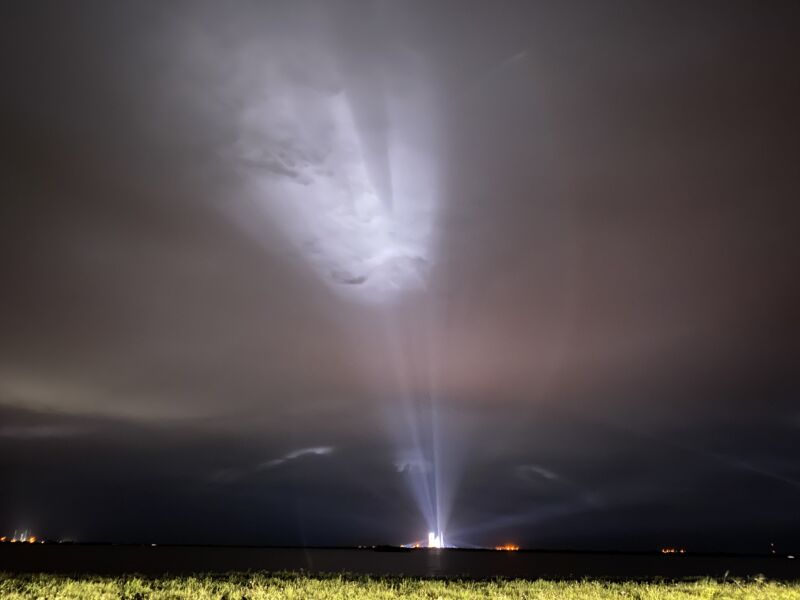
<point x="258" y="586"/>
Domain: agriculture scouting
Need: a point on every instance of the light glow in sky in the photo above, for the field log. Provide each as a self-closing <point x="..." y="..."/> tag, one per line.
<point x="346" y="176"/>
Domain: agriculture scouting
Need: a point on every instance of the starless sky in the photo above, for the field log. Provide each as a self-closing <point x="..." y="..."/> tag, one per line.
<point x="598" y="274"/>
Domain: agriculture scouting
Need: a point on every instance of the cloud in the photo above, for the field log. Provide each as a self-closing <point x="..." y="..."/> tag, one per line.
<point x="233" y="474"/>
<point x="341" y="167"/>
<point x="412" y="461"/>
<point x="313" y="451"/>
<point x="535" y="472"/>
<point x="413" y="465"/>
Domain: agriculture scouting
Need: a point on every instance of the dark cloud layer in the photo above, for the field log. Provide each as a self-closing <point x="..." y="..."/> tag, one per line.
<point x="610" y="322"/>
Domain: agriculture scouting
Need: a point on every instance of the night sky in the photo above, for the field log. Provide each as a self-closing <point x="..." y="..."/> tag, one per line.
<point x="266" y="268"/>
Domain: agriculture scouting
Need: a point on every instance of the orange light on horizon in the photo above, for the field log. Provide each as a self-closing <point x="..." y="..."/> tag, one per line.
<point x="32" y="539"/>
<point x="507" y="547"/>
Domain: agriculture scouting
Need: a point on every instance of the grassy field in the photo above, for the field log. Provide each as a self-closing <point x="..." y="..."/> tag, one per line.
<point x="301" y="587"/>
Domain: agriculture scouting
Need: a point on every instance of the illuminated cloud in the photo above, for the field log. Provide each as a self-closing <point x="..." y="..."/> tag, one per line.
<point x="314" y="451"/>
<point x="413" y="465"/>
<point x="234" y="474"/>
<point x="342" y="164"/>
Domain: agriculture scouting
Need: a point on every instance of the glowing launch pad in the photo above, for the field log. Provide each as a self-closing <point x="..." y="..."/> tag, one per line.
<point x="435" y="540"/>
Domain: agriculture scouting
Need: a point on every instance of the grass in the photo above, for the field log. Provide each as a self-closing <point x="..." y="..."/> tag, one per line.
<point x="303" y="587"/>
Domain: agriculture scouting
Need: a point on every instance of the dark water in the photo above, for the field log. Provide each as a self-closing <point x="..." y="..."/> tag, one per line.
<point x="112" y="560"/>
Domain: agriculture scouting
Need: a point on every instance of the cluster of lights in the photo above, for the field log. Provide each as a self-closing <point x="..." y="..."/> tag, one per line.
<point x="21" y="538"/>
<point x="434" y="541"/>
<point x="507" y="547"/>
<point x="673" y="551"/>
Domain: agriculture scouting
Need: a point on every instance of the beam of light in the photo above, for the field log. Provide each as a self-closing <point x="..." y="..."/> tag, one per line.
<point x="413" y="419"/>
<point x="343" y="161"/>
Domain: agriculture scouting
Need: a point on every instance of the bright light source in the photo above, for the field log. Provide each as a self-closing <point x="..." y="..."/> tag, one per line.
<point x="435" y="541"/>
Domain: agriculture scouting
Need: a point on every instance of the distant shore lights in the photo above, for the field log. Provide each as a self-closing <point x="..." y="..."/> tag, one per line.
<point x="507" y="547"/>
<point x="19" y="538"/>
